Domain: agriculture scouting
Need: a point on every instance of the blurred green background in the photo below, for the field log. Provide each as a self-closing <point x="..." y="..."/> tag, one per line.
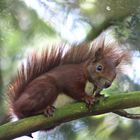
<point x="29" y="24"/>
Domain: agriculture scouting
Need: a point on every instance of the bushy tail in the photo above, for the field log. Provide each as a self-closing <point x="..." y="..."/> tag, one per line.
<point x="35" y="66"/>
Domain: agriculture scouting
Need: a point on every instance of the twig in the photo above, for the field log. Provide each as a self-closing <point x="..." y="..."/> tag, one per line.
<point x="125" y="114"/>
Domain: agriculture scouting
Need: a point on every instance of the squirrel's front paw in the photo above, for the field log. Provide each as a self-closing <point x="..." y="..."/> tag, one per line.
<point x="89" y="100"/>
<point x="98" y="94"/>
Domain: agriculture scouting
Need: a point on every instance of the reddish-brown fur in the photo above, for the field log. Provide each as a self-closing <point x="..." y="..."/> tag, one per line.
<point x="39" y="82"/>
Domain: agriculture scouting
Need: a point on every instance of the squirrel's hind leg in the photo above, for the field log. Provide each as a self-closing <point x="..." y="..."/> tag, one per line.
<point x="49" y="110"/>
<point x="36" y="102"/>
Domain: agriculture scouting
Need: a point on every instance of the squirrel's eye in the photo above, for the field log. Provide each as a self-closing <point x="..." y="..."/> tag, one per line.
<point x="99" y="68"/>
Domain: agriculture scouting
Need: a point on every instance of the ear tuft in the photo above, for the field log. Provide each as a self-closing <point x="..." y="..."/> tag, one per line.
<point x="118" y="61"/>
<point x="99" y="54"/>
<point x="99" y="46"/>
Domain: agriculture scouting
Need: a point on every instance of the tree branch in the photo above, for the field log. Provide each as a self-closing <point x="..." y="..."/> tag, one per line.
<point x="68" y="113"/>
<point x="112" y="15"/>
<point x="125" y="114"/>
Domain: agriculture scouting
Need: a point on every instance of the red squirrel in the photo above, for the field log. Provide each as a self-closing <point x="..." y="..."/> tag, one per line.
<point x="39" y="81"/>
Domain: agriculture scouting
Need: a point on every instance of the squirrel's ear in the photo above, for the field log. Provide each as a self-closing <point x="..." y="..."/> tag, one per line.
<point x="98" y="54"/>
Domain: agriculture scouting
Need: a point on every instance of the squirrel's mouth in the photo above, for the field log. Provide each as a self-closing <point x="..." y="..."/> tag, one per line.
<point x="102" y="83"/>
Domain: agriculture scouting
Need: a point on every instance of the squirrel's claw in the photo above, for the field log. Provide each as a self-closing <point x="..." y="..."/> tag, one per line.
<point x="49" y="111"/>
<point x="89" y="100"/>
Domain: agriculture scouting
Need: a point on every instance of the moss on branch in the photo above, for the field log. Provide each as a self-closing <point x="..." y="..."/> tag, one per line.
<point x="69" y="113"/>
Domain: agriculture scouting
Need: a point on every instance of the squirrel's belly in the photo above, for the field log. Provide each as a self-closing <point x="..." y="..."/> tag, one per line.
<point x="62" y="100"/>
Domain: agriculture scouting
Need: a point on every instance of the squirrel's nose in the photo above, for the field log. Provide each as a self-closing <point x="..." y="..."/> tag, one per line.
<point x="107" y="84"/>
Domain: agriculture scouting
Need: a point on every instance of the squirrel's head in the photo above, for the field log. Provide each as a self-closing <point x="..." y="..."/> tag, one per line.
<point x="102" y="68"/>
<point x="101" y="71"/>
